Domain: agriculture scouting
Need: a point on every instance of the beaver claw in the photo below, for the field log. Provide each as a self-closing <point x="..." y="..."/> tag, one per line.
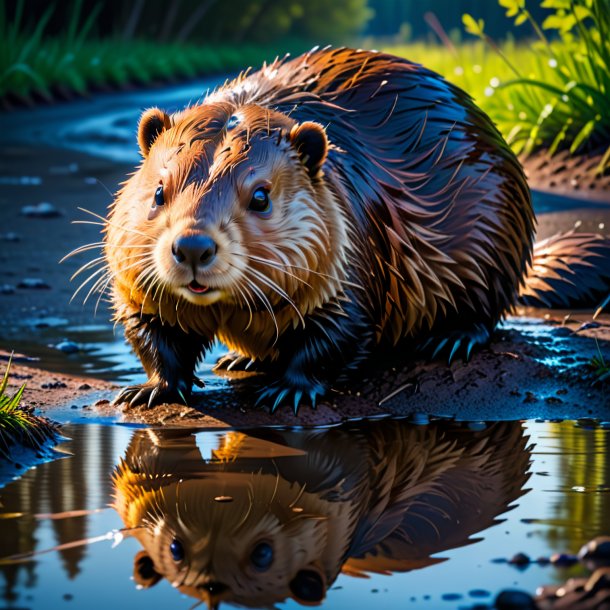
<point x="150" y="395"/>
<point x="282" y="392"/>
<point x="457" y="344"/>
<point x="233" y="362"/>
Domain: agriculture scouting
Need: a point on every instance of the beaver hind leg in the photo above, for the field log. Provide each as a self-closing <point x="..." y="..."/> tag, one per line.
<point x="456" y="343"/>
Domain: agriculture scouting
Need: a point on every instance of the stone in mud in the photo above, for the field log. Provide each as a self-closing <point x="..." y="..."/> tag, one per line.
<point x="7" y="289"/>
<point x="67" y="347"/>
<point x="44" y="209"/>
<point x="596" y="553"/>
<point x="515" y="600"/>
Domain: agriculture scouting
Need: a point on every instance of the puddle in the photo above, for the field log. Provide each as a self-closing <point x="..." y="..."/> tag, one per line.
<point x="274" y="514"/>
<point x="102" y="353"/>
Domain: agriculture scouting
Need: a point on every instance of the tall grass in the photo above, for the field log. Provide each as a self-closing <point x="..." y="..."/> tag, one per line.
<point x="34" y="64"/>
<point x="552" y="93"/>
<point x="19" y="425"/>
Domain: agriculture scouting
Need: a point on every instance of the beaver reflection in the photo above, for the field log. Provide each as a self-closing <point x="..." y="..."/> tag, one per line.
<point x="276" y="514"/>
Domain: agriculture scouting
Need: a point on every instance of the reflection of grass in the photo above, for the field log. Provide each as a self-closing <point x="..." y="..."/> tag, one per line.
<point x="19" y="425"/>
<point x="551" y="94"/>
<point x="31" y="63"/>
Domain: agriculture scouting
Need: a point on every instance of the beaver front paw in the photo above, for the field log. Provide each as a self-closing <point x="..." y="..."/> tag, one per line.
<point x="290" y="390"/>
<point x="152" y="394"/>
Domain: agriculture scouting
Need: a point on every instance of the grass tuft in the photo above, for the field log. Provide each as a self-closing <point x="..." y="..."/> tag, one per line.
<point x="18" y="425"/>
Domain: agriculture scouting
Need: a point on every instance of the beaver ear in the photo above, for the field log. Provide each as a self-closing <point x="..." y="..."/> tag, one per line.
<point x="152" y="123"/>
<point x="144" y="573"/>
<point x="311" y="143"/>
<point x="307" y="587"/>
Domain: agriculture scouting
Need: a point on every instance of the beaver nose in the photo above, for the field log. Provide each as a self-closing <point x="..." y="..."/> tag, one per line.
<point x="195" y="249"/>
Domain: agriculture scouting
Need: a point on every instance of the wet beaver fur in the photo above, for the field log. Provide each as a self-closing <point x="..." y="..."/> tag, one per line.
<point x="312" y="214"/>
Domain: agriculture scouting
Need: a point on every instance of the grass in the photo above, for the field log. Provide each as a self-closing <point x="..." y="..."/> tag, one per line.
<point x="601" y="368"/>
<point x="18" y="425"/>
<point x="32" y="64"/>
<point x="550" y="94"/>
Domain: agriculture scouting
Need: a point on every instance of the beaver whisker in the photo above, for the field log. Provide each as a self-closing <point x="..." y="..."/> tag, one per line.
<point x="281" y="269"/>
<point x="105" y="222"/>
<point x="97" y="261"/>
<point x="273" y="286"/>
<point x="100" y="224"/>
<point x="101" y="244"/>
<point x="240" y="289"/>
<point x="265" y="301"/>
<point x="102" y="292"/>
<point x="100" y="260"/>
<point x="276" y="264"/>
<point x="98" y="283"/>
<point x="92" y="276"/>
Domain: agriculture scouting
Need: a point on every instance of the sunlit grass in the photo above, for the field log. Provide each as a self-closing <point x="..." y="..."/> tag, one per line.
<point x="552" y="93"/>
<point x="19" y="425"/>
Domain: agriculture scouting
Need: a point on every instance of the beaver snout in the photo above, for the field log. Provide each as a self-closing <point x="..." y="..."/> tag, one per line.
<point x="194" y="249"/>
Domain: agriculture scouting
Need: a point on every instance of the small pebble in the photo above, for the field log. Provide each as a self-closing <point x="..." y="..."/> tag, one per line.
<point x="515" y="600"/>
<point x="451" y="597"/>
<point x="84" y="386"/>
<point x="596" y="553"/>
<point x="33" y="283"/>
<point x="41" y="210"/>
<point x="67" y="347"/>
<point x="520" y="559"/>
<point x="53" y="385"/>
<point x="479" y="593"/>
<point x="7" y="289"/>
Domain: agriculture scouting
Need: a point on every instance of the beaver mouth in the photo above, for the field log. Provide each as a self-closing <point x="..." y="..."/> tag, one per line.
<point x="197" y="288"/>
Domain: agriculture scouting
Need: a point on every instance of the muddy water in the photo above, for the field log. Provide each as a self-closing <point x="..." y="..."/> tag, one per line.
<point x="424" y="511"/>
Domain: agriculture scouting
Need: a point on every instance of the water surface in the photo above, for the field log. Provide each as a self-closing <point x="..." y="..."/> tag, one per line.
<point x="423" y="511"/>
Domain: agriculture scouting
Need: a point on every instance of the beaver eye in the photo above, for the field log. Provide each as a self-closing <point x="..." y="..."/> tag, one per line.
<point x="159" y="198"/>
<point x="260" y="202"/>
<point x="176" y="549"/>
<point x="262" y="556"/>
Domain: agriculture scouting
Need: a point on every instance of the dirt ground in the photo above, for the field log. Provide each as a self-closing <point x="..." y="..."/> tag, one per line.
<point x="538" y="366"/>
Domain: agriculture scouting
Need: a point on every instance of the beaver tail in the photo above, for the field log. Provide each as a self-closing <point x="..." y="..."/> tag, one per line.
<point x="569" y="270"/>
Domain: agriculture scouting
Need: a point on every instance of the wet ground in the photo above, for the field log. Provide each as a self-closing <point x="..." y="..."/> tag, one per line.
<point x="538" y="368"/>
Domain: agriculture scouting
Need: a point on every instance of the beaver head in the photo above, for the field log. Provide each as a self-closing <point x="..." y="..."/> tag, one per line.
<point x="229" y="211"/>
<point x="258" y="543"/>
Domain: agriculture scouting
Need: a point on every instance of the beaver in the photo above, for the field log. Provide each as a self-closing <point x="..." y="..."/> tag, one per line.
<point x="311" y="214"/>
<point x="276" y="514"/>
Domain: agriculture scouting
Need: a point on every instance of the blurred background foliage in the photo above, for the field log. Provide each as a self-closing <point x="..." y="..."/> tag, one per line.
<point x="540" y="68"/>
